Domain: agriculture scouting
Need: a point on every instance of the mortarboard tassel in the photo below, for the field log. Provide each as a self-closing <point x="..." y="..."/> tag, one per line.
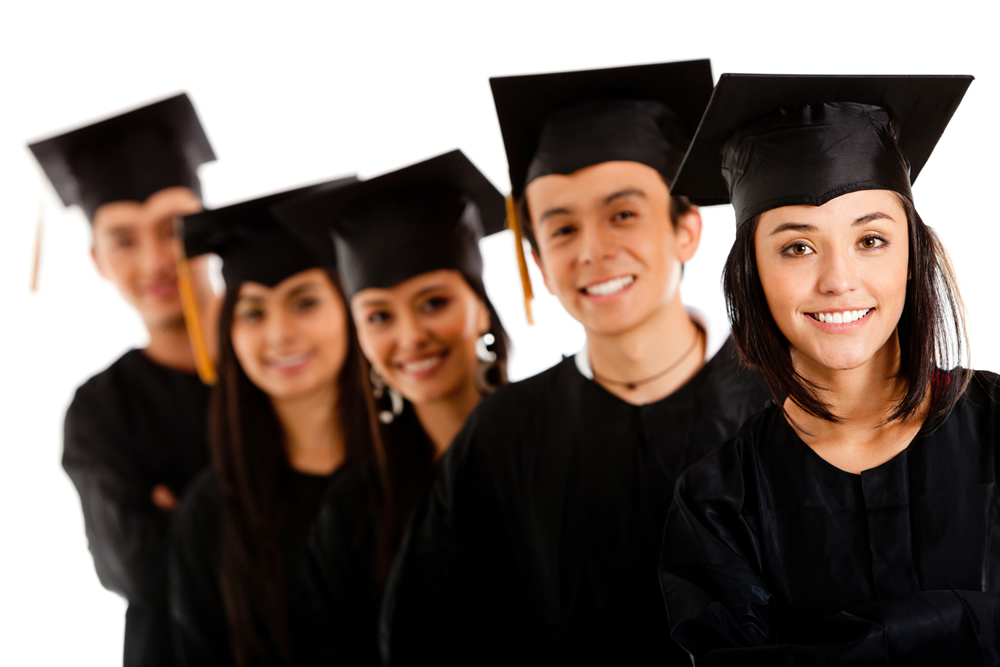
<point x="39" y="233"/>
<point x="514" y="225"/>
<point x="202" y="359"/>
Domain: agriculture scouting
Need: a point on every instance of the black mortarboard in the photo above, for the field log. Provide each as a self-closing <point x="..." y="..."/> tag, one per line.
<point x="782" y="140"/>
<point x="561" y="122"/>
<point x="128" y="157"/>
<point x="253" y="245"/>
<point x="421" y="218"/>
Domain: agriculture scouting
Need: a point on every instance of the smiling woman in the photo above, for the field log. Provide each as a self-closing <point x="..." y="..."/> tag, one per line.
<point x="856" y="522"/>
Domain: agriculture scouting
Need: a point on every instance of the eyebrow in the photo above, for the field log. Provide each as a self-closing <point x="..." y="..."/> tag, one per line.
<point x="562" y="210"/>
<point x="304" y="287"/>
<point x="379" y="301"/>
<point x="803" y="227"/>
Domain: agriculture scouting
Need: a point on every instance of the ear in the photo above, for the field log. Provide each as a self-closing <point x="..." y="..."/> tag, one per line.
<point x="688" y="234"/>
<point x="97" y="263"/>
<point x="483" y="322"/>
<point x="541" y="267"/>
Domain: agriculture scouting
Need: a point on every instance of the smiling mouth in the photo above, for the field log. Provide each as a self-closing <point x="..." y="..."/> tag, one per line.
<point x="423" y="366"/>
<point x="289" y="361"/>
<point x="609" y="287"/>
<point x="840" y="316"/>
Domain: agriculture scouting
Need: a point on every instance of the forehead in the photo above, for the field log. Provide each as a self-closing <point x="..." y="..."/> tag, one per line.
<point x="839" y="212"/>
<point x="161" y="207"/>
<point x="447" y="279"/>
<point x="303" y="281"/>
<point x="591" y="185"/>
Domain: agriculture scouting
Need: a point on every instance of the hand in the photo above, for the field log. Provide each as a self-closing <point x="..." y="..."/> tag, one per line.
<point x="164" y="498"/>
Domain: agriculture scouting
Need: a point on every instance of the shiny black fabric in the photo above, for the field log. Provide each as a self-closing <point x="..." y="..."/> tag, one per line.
<point x="810" y="154"/>
<point x="773" y="556"/>
<point x="197" y="611"/>
<point x="131" y="427"/>
<point x="128" y="157"/>
<point x="539" y="538"/>
<point x="339" y="618"/>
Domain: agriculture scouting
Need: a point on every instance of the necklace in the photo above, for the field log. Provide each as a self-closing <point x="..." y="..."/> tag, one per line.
<point x="639" y="383"/>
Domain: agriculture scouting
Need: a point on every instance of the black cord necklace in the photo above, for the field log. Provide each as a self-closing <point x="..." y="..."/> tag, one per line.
<point x="639" y="383"/>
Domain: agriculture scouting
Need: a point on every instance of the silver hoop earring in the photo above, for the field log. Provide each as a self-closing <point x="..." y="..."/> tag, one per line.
<point x="483" y="351"/>
<point x="380" y="389"/>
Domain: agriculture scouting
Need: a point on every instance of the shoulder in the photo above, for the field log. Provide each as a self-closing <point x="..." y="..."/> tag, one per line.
<point x="101" y="388"/>
<point x="536" y="390"/>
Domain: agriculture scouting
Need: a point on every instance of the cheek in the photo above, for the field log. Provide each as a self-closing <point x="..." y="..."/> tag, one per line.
<point x="245" y="344"/>
<point x="375" y="345"/>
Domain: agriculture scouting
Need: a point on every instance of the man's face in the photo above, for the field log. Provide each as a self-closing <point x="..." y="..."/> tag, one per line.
<point x="136" y="249"/>
<point x="608" y="250"/>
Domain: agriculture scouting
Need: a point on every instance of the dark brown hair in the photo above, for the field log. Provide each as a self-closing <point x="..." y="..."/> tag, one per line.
<point x="678" y="207"/>
<point x="250" y="458"/>
<point x="406" y="454"/>
<point x="931" y="329"/>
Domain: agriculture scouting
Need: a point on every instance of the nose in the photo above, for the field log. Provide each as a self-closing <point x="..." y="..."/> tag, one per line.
<point x="159" y="256"/>
<point x="411" y="333"/>
<point x="599" y="244"/>
<point x="838" y="273"/>
<point x="280" y="327"/>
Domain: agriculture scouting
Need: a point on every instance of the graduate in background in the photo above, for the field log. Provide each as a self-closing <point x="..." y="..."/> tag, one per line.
<point x="407" y="244"/>
<point x="288" y="415"/>
<point x="857" y="523"/>
<point x="135" y="433"/>
<point x="539" y="539"/>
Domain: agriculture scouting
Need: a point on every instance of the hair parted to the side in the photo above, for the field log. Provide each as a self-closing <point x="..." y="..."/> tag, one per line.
<point x="406" y="454"/>
<point x="932" y="330"/>
<point x="250" y="459"/>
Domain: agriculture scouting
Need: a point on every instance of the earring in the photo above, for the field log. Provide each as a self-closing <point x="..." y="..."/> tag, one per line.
<point x="379" y="389"/>
<point x="483" y="351"/>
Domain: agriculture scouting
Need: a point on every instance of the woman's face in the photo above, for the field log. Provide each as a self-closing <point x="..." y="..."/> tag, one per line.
<point x="291" y="339"/>
<point x="835" y="277"/>
<point x="420" y="335"/>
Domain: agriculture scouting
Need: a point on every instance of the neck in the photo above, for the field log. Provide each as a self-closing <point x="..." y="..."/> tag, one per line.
<point x="170" y="346"/>
<point x="863" y="398"/>
<point x="634" y="355"/>
<point x="443" y="418"/>
<point x="314" y="436"/>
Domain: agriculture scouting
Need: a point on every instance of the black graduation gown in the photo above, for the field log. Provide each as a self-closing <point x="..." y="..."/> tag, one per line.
<point x="339" y="622"/>
<point x="133" y="426"/>
<point x="539" y="538"/>
<point x="197" y="611"/>
<point x="773" y="555"/>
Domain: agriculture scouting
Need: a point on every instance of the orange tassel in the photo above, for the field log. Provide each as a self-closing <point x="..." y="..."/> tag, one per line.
<point x="522" y="262"/>
<point x="189" y="302"/>
<point x="39" y="233"/>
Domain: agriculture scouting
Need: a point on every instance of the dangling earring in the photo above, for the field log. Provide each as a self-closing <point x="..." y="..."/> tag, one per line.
<point x="379" y="389"/>
<point x="483" y="351"/>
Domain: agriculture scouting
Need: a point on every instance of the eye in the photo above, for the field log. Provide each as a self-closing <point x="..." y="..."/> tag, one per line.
<point x="250" y="315"/>
<point x="797" y="250"/>
<point x="306" y="303"/>
<point x="378" y="317"/>
<point x="434" y="303"/>
<point x="123" y="242"/>
<point x="564" y="230"/>
<point x="621" y="216"/>
<point x="873" y="241"/>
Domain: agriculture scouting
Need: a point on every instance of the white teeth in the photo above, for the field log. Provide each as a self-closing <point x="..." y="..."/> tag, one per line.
<point x="842" y="317"/>
<point x="422" y="365"/>
<point x="611" y="286"/>
<point x="289" y="360"/>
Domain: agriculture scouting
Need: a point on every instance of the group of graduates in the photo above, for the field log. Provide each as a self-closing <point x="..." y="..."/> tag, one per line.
<point x="328" y="466"/>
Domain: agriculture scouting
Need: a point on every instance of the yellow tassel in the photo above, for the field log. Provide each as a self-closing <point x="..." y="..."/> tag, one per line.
<point x="189" y="302"/>
<point x="39" y="233"/>
<point x="522" y="262"/>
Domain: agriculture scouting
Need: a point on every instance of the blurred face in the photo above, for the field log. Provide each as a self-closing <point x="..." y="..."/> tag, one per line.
<point x="420" y="335"/>
<point x="291" y="339"/>
<point x="835" y="276"/>
<point x="607" y="247"/>
<point x="136" y="249"/>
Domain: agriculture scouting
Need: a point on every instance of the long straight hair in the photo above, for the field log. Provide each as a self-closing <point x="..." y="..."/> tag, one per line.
<point x="931" y="328"/>
<point x="406" y="453"/>
<point x="251" y="460"/>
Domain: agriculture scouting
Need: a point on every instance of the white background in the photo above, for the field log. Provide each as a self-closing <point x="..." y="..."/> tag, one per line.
<point x="298" y="92"/>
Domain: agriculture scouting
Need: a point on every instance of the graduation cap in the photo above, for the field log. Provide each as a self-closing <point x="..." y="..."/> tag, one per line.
<point x="127" y="157"/>
<point x="421" y="218"/>
<point x="768" y="141"/>
<point x="561" y="122"/>
<point x="253" y="246"/>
